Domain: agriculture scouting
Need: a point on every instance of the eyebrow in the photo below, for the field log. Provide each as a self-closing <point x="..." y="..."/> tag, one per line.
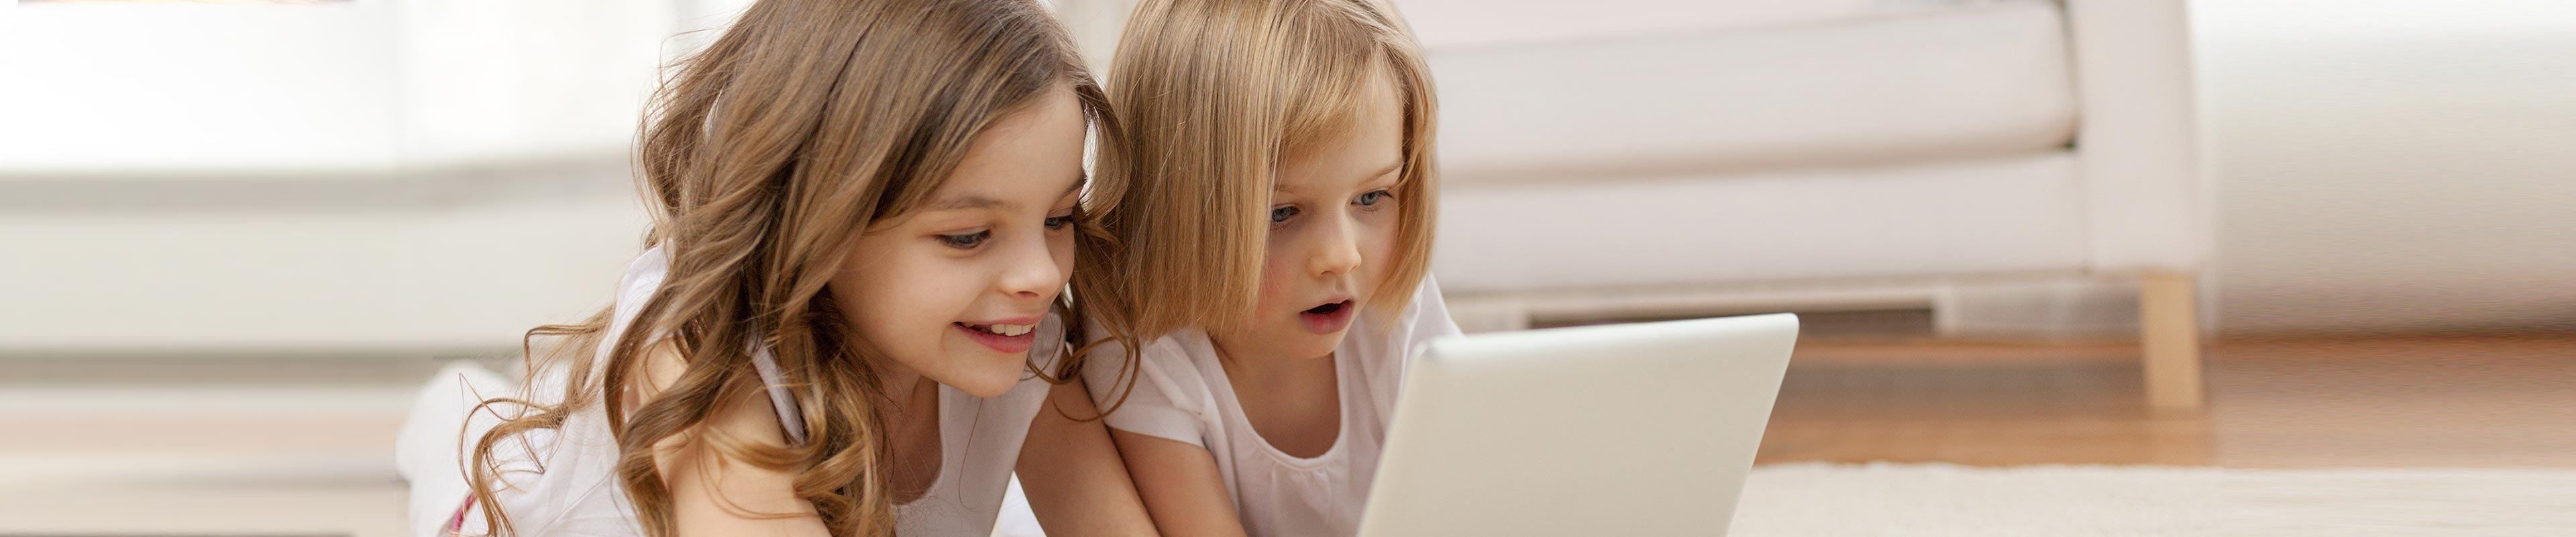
<point x="1390" y="168"/>
<point x="971" y="201"/>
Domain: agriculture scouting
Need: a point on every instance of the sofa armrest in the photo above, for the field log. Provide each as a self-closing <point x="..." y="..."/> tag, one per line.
<point x="2137" y="137"/>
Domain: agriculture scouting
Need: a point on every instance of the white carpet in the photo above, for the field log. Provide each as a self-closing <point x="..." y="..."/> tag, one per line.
<point x="1938" y="499"/>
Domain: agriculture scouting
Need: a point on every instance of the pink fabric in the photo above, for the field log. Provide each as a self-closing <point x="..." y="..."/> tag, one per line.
<point x="456" y="524"/>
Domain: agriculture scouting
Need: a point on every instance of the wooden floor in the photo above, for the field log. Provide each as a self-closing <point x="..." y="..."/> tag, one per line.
<point x="2460" y="401"/>
<point x="2420" y="401"/>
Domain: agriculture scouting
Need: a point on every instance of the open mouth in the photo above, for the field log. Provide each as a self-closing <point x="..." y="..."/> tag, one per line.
<point x="1327" y="318"/>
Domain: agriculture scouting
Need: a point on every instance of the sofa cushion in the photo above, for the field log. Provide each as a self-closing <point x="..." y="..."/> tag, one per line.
<point x="1443" y="24"/>
<point x="2014" y="214"/>
<point x="1984" y="81"/>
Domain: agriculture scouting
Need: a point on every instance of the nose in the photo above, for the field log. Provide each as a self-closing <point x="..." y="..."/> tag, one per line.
<point x="1030" y="270"/>
<point x="1336" y="249"/>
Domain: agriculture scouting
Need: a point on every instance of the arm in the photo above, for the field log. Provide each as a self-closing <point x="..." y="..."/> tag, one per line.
<point x="1180" y="485"/>
<point x="1177" y="480"/>
<point x="1075" y="481"/>
<point x="713" y="494"/>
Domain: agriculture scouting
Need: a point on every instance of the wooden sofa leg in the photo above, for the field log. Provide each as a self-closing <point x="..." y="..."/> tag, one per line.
<point x="2170" y="334"/>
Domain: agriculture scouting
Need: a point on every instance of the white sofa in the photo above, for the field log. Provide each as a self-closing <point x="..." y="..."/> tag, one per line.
<point x="1740" y="156"/>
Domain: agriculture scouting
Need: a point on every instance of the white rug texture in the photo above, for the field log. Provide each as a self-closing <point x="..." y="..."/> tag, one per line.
<point x="1941" y="499"/>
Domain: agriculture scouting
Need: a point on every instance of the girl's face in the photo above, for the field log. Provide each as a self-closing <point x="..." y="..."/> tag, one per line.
<point x="1333" y="216"/>
<point x="954" y="291"/>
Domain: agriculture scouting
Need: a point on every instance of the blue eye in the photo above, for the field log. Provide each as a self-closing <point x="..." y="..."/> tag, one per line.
<point x="1372" y="197"/>
<point x="967" y="241"/>
<point x="1282" y="213"/>
<point x="1059" y="222"/>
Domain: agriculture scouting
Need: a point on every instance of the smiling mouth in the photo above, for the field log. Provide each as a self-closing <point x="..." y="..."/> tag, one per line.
<point x="1004" y="330"/>
<point x="1004" y="338"/>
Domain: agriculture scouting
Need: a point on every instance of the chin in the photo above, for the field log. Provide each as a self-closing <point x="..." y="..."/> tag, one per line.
<point x="987" y="381"/>
<point x="986" y="373"/>
<point x="985" y="389"/>
<point x="1318" y="345"/>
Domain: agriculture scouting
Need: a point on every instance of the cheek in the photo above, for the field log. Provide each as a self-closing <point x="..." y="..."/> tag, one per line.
<point x="1279" y="270"/>
<point x="898" y="299"/>
<point x="1376" y="238"/>
<point x="1060" y="247"/>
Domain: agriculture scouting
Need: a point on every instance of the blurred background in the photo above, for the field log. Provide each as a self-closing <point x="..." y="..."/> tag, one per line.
<point x="235" y="236"/>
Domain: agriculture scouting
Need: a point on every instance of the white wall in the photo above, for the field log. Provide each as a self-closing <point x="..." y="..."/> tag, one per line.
<point x="2392" y="164"/>
<point x="373" y="175"/>
<point x="197" y="89"/>
<point x="331" y="91"/>
<point x="508" y="81"/>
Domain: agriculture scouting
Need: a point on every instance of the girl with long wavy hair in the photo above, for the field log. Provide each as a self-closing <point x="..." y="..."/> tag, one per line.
<point x="849" y="317"/>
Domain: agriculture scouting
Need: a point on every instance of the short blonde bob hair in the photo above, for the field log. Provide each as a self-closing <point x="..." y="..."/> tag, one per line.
<point x="1213" y="95"/>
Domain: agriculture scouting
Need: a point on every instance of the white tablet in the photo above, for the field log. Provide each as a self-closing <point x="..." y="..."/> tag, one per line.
<point x="1632" y="429"/>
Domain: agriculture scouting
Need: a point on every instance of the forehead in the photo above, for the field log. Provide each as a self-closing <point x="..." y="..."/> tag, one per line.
<point x="1030" y="156"/>
<point x="1369" y="141"/>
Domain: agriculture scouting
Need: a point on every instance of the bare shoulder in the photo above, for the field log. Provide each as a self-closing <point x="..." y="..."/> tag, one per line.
<point x="713" y="491"/>
<point x="746" y="416"/>
<point x="662" y="366"/>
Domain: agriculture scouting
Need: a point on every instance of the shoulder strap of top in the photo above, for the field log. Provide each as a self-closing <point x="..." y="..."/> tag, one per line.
<point x="791" y="418"/>
<point x="643" y="277"/>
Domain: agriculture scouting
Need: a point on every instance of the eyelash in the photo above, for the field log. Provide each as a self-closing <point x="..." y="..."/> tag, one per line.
<point x="1380" y="195"/>
<point x="966" y="241"/>
<point x="1368" y="201"/>
<point x="1280" y="215"/>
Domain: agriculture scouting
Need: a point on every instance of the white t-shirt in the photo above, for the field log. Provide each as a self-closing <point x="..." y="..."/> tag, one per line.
<point x="1181" y="393"/>
<point x="575" y="491"/>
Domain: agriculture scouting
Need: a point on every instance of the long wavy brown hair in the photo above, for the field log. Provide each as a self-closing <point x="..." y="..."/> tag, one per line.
<point x="762" y="159"/>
